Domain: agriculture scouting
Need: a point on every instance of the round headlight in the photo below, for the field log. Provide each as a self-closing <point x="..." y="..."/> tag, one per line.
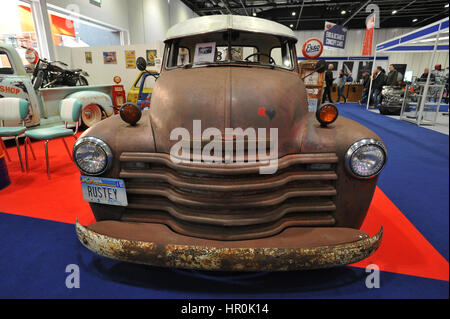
<point x="366" y="158"/>
<point x="92" y="155"/>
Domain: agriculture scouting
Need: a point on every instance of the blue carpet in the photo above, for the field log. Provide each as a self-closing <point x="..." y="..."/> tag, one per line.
<point x="35" y="262"/>
<point x="416" y="176"/>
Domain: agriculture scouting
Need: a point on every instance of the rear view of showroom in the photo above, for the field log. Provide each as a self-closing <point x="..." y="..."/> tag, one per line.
<point x="171" y="149"/>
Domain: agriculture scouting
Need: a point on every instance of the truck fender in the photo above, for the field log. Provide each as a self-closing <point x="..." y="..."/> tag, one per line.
<point x="94" y="97"/>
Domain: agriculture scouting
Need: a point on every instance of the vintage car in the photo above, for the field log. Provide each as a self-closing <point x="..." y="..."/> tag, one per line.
<point x="157" y="202"/>
<point x="141" y="91"/>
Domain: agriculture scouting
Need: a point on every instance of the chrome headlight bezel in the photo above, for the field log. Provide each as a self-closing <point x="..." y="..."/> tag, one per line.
<point x="98" y="143"/>
<point x="355" y="146"/>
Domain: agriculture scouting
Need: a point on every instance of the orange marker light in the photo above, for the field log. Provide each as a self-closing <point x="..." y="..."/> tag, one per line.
<point x="327" y="114"/>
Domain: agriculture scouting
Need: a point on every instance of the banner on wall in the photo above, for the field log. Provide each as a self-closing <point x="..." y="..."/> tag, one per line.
<point x="334" y="36"/>
<point x="130" y="59"/>
<point x="368" y="36"/>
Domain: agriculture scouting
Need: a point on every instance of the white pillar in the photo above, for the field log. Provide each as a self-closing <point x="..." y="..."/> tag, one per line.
<point x="43" y="29"/>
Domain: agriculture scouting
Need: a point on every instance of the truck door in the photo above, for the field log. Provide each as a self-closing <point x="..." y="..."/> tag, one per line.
<point x="145" y="90"/>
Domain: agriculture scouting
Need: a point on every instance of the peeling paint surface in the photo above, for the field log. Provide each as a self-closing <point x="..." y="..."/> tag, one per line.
<point x="227" y="258"/>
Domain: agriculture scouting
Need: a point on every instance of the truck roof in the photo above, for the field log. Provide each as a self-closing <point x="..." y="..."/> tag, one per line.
<point x="214" y="23"/>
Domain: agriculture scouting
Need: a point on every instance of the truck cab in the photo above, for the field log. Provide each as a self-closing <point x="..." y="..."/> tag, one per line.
<point x="185" y="186"/>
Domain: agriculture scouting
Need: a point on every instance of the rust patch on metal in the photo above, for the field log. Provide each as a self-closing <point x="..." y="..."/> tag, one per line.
<point x="228" y="259"/>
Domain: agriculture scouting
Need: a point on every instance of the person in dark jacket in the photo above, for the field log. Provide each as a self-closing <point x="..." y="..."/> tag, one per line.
<point x="365" y="89"/>
<point x="424" y="76"/>
<point x="328" y="83"/>
<point x="392" y="76"/>
<point x="379" y="80"/>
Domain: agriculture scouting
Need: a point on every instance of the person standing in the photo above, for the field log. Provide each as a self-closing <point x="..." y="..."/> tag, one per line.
<point x="424" y="76"/>
<point x="377" y="85"/>
<point x="340" y="82"/>
<point x="392" y="76"/>
<point x="328" y="83"/>
<point x="365" y="88"/>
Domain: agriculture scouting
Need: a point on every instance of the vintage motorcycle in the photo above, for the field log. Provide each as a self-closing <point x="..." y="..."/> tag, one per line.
<point x="48" y="74"/>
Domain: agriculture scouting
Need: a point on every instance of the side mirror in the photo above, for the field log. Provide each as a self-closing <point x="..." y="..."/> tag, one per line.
<point x="141" y="64"/>
<point x="321" y="66"/>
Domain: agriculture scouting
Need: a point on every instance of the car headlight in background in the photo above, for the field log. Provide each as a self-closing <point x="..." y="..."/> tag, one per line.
<point x="366" y="158"/>
<point x="92" y="155"/>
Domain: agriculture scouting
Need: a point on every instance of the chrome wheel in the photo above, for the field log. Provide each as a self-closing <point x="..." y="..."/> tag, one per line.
<point x="91" y="114"/>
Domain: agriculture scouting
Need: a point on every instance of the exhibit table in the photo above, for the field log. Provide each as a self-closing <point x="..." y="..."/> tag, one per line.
<point x="352" y="91"/>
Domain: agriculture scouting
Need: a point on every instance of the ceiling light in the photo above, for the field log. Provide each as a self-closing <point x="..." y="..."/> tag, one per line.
<point x="291" y="25"/>
<point x="415" y="20"/>
<point x="343" y="12"/>
<point x="254" y="14"/>
<point x="446" y="5"/>
<point x="394" y="12"/>
<point x="293" y="13"/>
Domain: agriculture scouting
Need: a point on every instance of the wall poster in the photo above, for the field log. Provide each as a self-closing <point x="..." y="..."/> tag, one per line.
<point x="151" y="57"/>
<point x="130" y="59"/>
<point x="88" y="56"/>
<point x="109" y="57"/>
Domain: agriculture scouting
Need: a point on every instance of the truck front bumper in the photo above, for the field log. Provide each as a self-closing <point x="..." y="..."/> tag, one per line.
<point x="295" y="248"/>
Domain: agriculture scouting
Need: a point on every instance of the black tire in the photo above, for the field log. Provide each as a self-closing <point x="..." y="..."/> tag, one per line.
<point x="82" y="81"/>
<point x="39" y="80"/>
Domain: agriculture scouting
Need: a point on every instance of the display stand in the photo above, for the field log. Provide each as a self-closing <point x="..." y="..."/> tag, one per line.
<point x="419" y="108"/>
<point x="313" y="83"/>
<point x="413" y="42"/>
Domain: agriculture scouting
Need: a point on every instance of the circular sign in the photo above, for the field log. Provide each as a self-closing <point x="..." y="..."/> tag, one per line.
<point x="31" y="56"/>
<point x="117" y="79"/>
<point x="312" y="48"/>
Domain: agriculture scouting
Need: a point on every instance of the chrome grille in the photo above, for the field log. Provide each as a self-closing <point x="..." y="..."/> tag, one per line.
<point x="230" y="201"/>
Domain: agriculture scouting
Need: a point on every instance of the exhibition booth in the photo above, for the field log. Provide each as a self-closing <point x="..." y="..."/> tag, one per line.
<point x="178" y="150"/>
<point x="427" y="96"/>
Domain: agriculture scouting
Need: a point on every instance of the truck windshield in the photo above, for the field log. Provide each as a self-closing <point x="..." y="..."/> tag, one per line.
<point x="230" y="47"/>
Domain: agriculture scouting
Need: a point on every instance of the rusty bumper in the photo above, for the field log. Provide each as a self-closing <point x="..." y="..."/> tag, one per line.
<point x="162" y="247"/>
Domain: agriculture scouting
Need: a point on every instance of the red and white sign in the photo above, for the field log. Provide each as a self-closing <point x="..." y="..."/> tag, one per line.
<point x="31" y="56"/>
<point x="368" y="37"/>
<point x="312" y="48"/>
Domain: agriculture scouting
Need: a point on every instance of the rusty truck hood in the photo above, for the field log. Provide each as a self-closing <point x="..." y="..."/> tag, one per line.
<point x="229" y="97"/>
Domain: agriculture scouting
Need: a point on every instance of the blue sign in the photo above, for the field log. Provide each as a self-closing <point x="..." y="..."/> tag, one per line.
<point x="334" y="36"/>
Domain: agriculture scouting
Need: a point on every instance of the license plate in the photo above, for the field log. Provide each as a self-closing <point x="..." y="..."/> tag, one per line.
<point x="104" y="190"/>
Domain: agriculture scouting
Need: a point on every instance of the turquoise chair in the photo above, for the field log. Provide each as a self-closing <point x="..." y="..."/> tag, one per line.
<point x="69" y="111"/>
<point x="13" y="109"/>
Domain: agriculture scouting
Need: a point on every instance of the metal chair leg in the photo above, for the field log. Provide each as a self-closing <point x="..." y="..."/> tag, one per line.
<point x="4" y="147"/>
<point x="67" y="149"/>
<point x="26" y="153"/>
<point x="46" y="158"/>
<point x="31" y="148"/>
<point x="18" y="152"/>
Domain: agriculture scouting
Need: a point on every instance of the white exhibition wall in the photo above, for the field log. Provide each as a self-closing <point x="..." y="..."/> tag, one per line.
<point x="101" y="73"/>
